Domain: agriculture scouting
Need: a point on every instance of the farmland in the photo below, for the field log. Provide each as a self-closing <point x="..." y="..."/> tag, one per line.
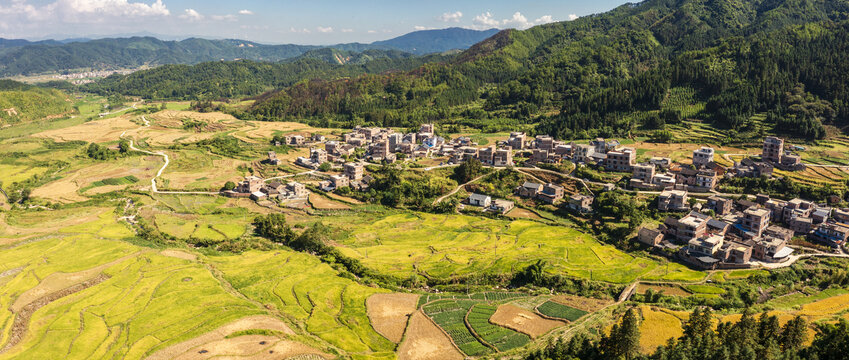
<point x="458" y="245"/>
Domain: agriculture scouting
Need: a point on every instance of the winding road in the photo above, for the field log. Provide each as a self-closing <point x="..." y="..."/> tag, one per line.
<point x="153" y="187"/>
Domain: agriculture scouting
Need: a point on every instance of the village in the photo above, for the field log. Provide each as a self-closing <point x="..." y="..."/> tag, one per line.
<point x="712" y="230"/>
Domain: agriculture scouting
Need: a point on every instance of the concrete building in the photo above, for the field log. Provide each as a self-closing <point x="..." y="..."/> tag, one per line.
<point x="486" y="155"/>
<point x="703" y="156"/>
<point x="545" y="142"/>
<point x="528" y="190"/>
<point x="643" y="172"/>
<point x="690" y="227"/>
<point x="706" y="180"/>
<point x="650" y="237"/>
<point x="516" y="140"/>
<point x="272" y="158"/>
<point x="550" y="193"/>
<point x="250" y="185"/>
<point x="500" y="206"/>
<point x="832" y="234"/>
<point x="720" y="205"/>
<point x="354" y="171"/>
<point x="620" y="160"/>
<point x="540" y="156"/>
<point x="673" y="200"/>
<point x="318" y="156"/>
<point x="754" y="222"/>
<point x="581" y="203"/>
<point x="773" y="149"/>
<point x="503" y="157"/>
<point x="705" y="246"/>
<point x="480" y="200"/>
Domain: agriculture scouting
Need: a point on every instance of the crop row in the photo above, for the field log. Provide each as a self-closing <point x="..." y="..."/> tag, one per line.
<point x="560" y="311"/>
<point x="502" y="338"/>
<point x="450" y="316"/>
<point x="485" y="296"/>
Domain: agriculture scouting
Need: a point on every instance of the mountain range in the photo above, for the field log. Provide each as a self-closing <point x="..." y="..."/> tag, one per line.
<point x="22" y="57"/>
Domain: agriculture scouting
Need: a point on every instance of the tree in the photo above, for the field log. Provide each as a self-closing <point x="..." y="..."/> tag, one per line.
<point x="274" y="228"/>
<point x="229" y="185"/>
<point x="468" y="170"/>
<point x="124" y="146"/>
<point x="831" y="342"/>
<point x="794" y="334"/>
<point x="324" y="167"/>
<point x="624" y="338"/>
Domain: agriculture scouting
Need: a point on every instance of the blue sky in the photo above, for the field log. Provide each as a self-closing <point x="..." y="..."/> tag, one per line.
<point x="286" y="21"/>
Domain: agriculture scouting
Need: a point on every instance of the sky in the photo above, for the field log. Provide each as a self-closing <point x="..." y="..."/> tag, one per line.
<point x="316" y="22"/>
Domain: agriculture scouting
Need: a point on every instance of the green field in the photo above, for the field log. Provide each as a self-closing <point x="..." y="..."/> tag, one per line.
<point x="559" y="311"/>
<point x="450" y="316"/>
<point x="502" y="338"/>
<point x="443" y="246"/>
<point x="309" y="293"/>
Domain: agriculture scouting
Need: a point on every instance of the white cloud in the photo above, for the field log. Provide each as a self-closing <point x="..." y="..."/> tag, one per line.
<point x="77" y="11"/>
<point x="451" y="17"/>
<point x="545" y="19"/>
<point x="325" y="29"/>
<point x="420" y="28"/>
<point x="372" y="31"/>
<point x="245" y="12"/>
<point x="572" y="17"/>
<point x="487" y="21"/>
<point x="191" y="15"/>
<point x="347" y="30"/>
<point x="229" y="17"/>
<point x="302" y="31"/>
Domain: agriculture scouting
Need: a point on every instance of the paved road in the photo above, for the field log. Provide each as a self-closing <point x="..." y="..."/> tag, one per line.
<point x="153" y="188"/>
<point x="439" y="200"/>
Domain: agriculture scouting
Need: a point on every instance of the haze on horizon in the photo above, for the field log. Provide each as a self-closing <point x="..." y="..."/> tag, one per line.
<point x="275" y="22"/>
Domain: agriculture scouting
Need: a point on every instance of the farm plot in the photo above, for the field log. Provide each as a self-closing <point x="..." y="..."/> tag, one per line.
<point x="656" y="328"/>
<point x="523" y="321"/>
<point x="557" y="310"/>
<point x="406" y="243"/>
<point x="450" y="316"/>
<point x="501" y="338"/>
<point x="425" y="341"/>
<point x="118" y="300"/>
<point x="389" y="313"/>
<point x="311" y="294"/>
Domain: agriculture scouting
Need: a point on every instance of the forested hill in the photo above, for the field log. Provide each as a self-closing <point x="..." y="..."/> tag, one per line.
<point x="21" y="102"/>
<point x="22" y="57"/>
<point x="433" y="41"/>
<point x="611" y="73"/>
<point x="220" y="79"/>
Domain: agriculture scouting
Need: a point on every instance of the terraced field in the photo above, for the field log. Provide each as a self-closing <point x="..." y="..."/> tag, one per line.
<point x="307" y="292"/>
<point x="447" y="246"/>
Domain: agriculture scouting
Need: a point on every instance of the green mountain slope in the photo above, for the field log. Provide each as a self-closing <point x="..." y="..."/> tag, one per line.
<point x="591" y="76"/>
<point x="21" y="102"/>
<point x="214" y="80"/>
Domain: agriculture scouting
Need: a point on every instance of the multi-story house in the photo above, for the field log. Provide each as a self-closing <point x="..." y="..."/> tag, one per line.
<point x="754" y="222"/>
<point x="620" y="160"/>
<point x="773" y="149"/>
<point x="673" y="200"/>
<point x="702" y="157"/>
<point x="503" y="157"/>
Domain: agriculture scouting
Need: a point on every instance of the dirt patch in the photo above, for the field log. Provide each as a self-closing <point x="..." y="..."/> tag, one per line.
<point x="323" y="203"/>
<point x="179" y="254"/>
<point x="582" y="303"/>
<point x="343" y="198"/>
<point x="425" y="341"/>
<point x="519" y="213"/>
<point x="11" y="112"/>
<point x="214" y="343"/>
<point x="22" y="315"/>
<point x="523" y="321"/>
<point x="97" y="131"/>
<point x="389" y="313"/>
